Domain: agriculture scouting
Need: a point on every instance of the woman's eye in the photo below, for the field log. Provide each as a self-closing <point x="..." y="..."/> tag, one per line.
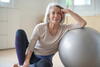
<point x="58" y="13"/>
<point x="53" y="12"/>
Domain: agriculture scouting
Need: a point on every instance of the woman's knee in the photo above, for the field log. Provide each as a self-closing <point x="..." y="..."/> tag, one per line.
<point x="20" y="32"/>
<point x="44" y="63"/>
<point x="21" y="36"/>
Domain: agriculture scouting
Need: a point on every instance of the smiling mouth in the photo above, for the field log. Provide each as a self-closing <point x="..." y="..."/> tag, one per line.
<point x="56" y="20"/>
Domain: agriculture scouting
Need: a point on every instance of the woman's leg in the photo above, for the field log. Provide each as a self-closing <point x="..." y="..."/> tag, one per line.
<point x="21" y="43"/>
<point x="44" y="63"/>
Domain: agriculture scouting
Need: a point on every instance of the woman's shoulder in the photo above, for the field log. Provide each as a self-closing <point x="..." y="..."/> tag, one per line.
<point x="41" y="25"/>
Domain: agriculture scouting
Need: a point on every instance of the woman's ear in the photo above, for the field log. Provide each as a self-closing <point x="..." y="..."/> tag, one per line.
<point x="62" y="15"/>
<point x="62" y="12"/>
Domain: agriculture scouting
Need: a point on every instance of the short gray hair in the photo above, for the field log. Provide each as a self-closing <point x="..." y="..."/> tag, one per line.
<point x="48" y="9"/>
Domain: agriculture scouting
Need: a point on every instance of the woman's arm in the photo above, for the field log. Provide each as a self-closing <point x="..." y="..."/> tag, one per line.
<point x="27" y="59"/>
<point x="79" y="19"/>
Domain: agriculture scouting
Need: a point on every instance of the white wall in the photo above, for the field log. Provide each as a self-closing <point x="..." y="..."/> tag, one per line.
<point x="30" y="11"/>
<point x="24" y="15"/>
<point x="9" y="22"/>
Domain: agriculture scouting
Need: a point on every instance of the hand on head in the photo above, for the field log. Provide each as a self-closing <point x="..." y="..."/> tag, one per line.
<point x="65" y="11"/>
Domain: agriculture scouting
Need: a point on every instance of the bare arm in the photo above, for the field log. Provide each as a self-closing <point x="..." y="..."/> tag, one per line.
<point x="27" y="59"/>
<point x="29" y="51"/>
<point x="79" y="19"/>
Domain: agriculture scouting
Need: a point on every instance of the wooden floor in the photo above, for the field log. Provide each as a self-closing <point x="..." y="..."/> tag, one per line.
<point x="8" y="58"/>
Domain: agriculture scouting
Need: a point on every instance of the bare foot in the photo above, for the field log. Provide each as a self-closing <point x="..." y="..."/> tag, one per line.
<point x="15" y="65"/>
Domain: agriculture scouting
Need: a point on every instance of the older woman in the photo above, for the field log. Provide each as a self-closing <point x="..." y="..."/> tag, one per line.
<point x="45" y="37"/>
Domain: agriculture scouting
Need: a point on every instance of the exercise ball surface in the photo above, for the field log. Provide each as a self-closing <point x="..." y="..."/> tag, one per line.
<point x="80" y="48"/>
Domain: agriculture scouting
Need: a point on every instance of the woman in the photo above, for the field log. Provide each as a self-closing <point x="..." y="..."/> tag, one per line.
<point x="45" y="37"/>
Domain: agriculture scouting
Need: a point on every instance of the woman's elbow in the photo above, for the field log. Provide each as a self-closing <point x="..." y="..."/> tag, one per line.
<point x="83" y="24"/>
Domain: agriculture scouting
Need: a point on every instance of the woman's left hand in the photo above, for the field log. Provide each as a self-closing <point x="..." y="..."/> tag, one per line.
<point x="65" y="11"/>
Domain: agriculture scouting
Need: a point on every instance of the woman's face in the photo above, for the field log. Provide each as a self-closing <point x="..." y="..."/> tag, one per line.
<point x="55" y="15"/>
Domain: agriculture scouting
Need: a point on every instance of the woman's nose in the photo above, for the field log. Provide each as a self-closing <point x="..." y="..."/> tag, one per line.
<point x="56" y="15"/>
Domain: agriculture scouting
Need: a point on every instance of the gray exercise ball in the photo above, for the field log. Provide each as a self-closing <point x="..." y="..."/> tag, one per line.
<point x="80" y="48"/>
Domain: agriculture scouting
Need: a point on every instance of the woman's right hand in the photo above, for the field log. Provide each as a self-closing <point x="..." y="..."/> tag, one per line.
<point x="26" y="64"/>
<point x="27" y="59"/>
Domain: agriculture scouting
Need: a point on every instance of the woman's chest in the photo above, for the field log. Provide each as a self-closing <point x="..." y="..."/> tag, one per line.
<point x="47" y="38"/>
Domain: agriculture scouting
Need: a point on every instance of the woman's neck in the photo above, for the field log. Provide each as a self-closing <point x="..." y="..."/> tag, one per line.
<point x="54" y="25"/>
<point x="53" y="28"/>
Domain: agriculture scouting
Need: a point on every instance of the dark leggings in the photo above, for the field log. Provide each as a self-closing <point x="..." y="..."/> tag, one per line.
<point x="21" y="44"/>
